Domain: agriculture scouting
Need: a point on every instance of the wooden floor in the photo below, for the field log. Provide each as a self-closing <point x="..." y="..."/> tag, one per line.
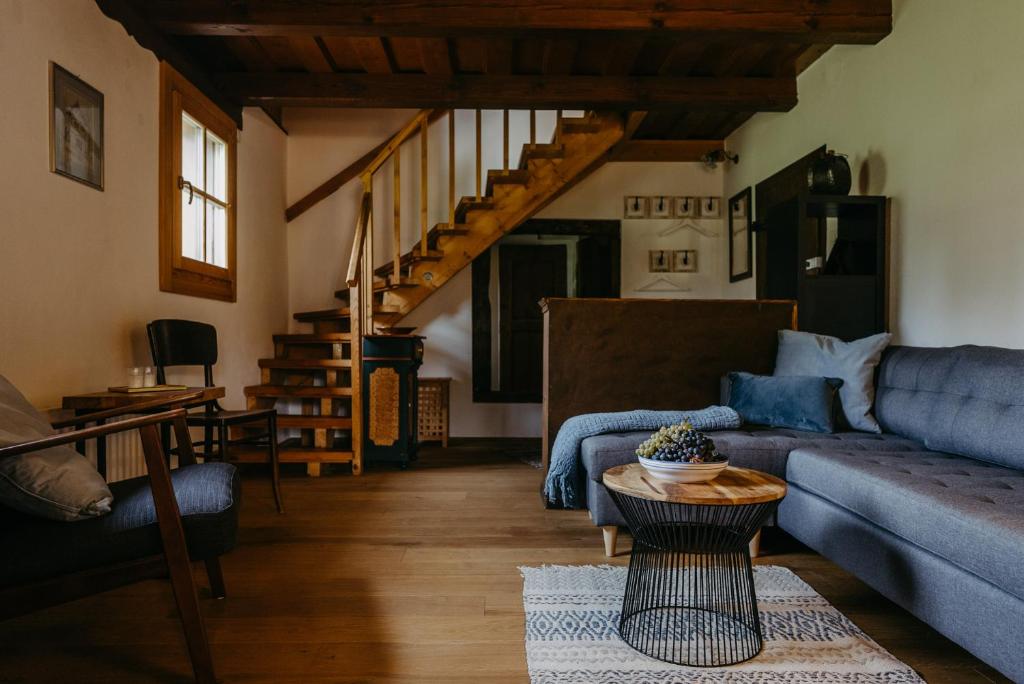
<point x="391" y="577"/>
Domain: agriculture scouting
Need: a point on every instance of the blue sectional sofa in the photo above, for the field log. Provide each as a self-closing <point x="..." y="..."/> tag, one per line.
<point x="930" y="512"/>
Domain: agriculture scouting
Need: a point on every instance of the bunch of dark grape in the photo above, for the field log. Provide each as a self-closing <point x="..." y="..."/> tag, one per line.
<point x="679" y="443"/>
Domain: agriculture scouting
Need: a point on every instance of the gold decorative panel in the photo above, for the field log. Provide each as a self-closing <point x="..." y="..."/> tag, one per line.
<point x="384" y="405"/>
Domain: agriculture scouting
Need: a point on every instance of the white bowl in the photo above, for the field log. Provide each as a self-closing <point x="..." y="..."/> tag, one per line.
<point x="673" y="471"/>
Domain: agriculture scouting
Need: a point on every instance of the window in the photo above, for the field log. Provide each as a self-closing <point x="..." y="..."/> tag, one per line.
<point x="197" y="192"/>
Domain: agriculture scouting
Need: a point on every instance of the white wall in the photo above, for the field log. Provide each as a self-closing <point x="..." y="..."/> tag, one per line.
<point x="601" y="196"/>
<point x="78" y="267"/>
<point x="931" y="117"/>
<point x="321" y="142"/>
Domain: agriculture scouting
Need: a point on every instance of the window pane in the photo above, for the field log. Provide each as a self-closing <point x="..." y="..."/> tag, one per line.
<point x="216" y="235"/>
<point x="192" y="151"/>
<point x="191" y="227"/>
<point x="216" y="167"/>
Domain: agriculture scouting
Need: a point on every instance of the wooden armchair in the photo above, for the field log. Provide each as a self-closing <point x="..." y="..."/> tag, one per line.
<point x="192" y="514"/>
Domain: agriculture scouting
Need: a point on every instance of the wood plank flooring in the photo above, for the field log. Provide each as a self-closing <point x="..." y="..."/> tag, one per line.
<point x="393" y="577"/>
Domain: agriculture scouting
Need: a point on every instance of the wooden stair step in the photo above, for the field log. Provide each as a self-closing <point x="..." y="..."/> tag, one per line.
<point x="291" y="453"/>
<point x="468" y="204"/>
<point x="380" y="286"/>
<point x="323" y="315"/>
<point x="305" y="364"/>
<point x="412" y="257"/>
<point x="314" y="422"/>
<point x="337" y="314"/>
<point x="581" y="124"/>
<point x="298" y="391"/>
<point x="544" y="151"/>
<point x="322" y="338"/>
<point x="512" y="177"/>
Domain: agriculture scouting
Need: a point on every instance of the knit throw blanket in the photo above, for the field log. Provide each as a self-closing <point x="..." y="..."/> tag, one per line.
<point x="565" y="475"/>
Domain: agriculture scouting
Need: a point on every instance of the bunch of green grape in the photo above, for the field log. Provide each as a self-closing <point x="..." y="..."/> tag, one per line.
<point x="679" y="443"/>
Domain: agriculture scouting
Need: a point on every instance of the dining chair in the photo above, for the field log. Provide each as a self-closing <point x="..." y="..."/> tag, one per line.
<point x="189" y="343"/>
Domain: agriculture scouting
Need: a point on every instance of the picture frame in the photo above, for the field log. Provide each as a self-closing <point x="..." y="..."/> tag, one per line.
<point x="659" y="261"/>
<point x="686" y="207"/>
<point x="661" y="207"/>
<point x="76" y="128"/>
<point x="710" y="207"/>
<point x="741" y="242"/>
<point x="684" y="261"/>
<point x="635" y="207"/>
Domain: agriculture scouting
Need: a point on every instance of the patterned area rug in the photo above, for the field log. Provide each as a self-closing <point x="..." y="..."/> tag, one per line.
<point x="571" y="636"/>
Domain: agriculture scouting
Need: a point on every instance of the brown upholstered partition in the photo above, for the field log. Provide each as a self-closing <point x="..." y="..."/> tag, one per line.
<point x="622" y="354"/>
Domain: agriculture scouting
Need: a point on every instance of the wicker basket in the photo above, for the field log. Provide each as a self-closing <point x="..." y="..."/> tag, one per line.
<point x="433" y="410"/>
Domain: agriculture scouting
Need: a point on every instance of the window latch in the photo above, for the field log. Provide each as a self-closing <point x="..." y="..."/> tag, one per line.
<point x="182" y="184"/>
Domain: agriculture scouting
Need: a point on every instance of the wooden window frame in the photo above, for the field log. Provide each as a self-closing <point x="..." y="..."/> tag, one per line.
<point x="178" y="273"/>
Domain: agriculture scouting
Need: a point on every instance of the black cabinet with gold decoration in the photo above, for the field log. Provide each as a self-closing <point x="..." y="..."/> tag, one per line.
<point x="390" y="390"/>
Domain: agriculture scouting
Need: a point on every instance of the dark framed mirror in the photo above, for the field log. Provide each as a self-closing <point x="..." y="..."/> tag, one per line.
<point x="741" y="243"/>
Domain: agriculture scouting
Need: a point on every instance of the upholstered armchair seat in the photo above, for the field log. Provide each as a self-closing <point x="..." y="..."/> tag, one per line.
<point x="208" y="497"/>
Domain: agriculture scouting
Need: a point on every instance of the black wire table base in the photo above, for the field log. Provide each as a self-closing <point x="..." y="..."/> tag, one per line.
<point x="690" y="596"/>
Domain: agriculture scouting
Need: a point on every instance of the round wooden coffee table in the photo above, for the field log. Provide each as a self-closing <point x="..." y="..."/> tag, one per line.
<point x="690" y="596"/>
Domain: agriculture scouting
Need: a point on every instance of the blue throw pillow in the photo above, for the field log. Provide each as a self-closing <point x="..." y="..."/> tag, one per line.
<point x="802" y="353"/>
<point x="800" y="402"/>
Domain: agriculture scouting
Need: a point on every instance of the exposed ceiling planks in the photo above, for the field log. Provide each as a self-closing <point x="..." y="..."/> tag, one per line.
<point x="700" y="68"/>
<point x="372" y="54"/>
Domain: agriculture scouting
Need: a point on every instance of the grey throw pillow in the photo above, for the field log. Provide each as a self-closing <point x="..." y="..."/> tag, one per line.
<point x="854" y="363"/>
<point x="57" y="483"/>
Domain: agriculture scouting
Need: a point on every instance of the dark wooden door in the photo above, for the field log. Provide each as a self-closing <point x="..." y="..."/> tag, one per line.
<point x="597" y="273"/>
<point x="527" y="274"/>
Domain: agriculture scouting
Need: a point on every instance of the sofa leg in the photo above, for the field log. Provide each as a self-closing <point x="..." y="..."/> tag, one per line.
<point x="611" y="535"/>
<point x="755" y="545"/>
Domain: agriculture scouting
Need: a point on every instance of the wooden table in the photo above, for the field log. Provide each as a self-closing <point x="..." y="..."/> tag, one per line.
<point x="83" y="404"/>
<point x="690" y="595"/>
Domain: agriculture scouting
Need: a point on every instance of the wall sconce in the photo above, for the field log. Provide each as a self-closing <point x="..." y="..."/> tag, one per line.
<point x="715" y="157"/>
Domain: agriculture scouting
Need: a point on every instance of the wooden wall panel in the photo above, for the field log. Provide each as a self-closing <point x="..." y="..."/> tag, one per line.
<point x="622" y="354"/>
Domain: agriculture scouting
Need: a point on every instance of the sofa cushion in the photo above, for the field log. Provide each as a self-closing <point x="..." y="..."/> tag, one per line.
<point x="208" y="497"/>
<point x="802" y="353"/>
<point x="965" y="511"/>
<point x="57" y="483"/>
<point x="963" y="400"/>
<point x="800" y="402"/>
<point x="763" y="449"/>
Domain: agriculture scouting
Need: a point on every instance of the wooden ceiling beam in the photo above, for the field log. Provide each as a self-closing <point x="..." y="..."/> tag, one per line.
<point x="664" y="150"/>
<point x="497" y="91"/>
<point x="836" y="21"/>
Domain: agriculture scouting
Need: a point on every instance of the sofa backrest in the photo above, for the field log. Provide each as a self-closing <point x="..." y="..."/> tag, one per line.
<point x="964" y="400"/>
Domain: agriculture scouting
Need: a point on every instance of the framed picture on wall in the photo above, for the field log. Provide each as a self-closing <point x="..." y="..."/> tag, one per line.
<point x="76" y="128"/>
<point x="684" y="261"/>
<point x="741" y="242"/>
<point x="636" y="208"/>
<point x="661" y="207"/>
<point x="659" y="261"/>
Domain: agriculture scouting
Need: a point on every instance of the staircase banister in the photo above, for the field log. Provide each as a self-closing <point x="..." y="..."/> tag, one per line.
<point x="355" y="260"/>
<point x="409" y="130"/>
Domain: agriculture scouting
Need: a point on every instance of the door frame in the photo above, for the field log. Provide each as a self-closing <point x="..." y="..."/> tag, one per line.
<point x="481" y="277"/>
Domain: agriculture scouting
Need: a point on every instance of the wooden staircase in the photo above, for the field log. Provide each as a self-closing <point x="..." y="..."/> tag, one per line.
<point x="314" y="379"/>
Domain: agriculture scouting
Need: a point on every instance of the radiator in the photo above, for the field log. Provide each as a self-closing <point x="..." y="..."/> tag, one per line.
<point x="125" y="459"/>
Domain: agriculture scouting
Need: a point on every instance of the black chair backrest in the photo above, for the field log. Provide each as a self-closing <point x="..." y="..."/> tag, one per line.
<point x="182" y="343"/>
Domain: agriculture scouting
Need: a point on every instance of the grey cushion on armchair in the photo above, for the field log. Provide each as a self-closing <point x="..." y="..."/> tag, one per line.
<point x="57" y="483"/>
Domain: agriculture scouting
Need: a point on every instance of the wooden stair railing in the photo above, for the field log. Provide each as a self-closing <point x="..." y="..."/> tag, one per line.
<point x="322" y="371"/>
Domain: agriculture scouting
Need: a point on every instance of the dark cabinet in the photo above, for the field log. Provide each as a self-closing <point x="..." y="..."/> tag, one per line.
<point x="390" y="392"/>
<point x="828" y="252"/>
